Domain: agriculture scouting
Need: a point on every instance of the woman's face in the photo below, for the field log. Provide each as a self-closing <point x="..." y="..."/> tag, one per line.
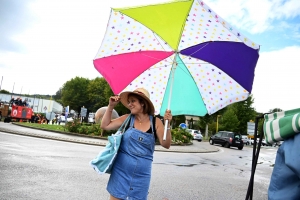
<point x="134" y="105"/>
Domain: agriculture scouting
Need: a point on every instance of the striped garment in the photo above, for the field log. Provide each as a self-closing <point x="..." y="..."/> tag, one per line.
<point x="281" y="125"/>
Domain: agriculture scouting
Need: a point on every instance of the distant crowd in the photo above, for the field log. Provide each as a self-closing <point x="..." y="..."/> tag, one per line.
<point x="18" y="102"/>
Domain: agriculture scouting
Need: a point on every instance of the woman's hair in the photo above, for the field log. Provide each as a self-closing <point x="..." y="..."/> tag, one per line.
<point x="146" y="107"/>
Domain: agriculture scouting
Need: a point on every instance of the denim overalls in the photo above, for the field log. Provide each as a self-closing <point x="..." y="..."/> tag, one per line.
<point x="131" y="173"/>
<point x="285" y="179"/>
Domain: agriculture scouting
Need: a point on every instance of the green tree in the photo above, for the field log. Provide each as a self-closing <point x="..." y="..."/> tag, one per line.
<point x="119" y="108"/>
<point x="176" y="120"/>
<point x="260" y="127"/>
<point x="74" y="93"/>
<point x="58" y="96"/>
<point x="99" y="93"/>
<point x="96" y="93"/>
<point x="230" y="120"/>
<point x="4" y="91"/>
<point x="244" y="112"/>
<point x="204" y="122"/>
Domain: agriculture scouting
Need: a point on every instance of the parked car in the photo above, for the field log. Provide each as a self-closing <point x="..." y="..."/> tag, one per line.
<point x="62" y="119"/>
<point x="227" y="139"/>
<point x="263" y="142"/>
<point x="246" y="140"/>
<point x="196" y="134"/>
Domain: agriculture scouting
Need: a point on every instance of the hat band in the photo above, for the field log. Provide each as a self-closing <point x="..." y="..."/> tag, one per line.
<point x="139" y="92"/>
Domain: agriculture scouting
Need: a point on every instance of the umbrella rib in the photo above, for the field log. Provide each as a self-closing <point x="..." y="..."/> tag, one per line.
<point x="199" y="49"/>
<point x="183" y="24"/>
<point x="157" y="36"/>
<point x="154" y="58"/>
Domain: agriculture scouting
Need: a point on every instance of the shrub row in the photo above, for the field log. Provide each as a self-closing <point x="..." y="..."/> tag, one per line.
<point x="179" y="135"/>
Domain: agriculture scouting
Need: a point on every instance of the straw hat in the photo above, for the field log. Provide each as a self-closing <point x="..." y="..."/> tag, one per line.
<point x="140" y="92"/>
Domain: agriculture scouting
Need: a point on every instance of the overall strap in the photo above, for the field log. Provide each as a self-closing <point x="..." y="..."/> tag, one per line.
<point x="132" y="121"/>
<point x="125" y="123"/>
<point x="151" y="122"/>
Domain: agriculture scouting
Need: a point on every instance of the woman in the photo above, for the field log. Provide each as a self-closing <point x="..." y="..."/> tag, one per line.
<point x="131" y="173"/>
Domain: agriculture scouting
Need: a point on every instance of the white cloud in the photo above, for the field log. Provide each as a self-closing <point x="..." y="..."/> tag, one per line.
<point x="60" y="45"/>
<point x="255" y="16"/>
<point x="276" y="80"/>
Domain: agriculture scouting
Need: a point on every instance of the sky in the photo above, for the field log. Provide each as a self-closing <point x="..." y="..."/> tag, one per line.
<point x="44" y="43"/>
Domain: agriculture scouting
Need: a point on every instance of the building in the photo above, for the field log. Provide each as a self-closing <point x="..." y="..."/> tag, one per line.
<point x="37" y="104"/>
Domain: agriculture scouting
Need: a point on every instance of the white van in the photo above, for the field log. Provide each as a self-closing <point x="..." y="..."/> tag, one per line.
<point x="196" y="134"/>
<point x="91" y="118"/>
<point x="246" y="140"/>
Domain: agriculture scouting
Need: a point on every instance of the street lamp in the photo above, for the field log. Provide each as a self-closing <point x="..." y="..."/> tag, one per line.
<point x="217" y="122"/>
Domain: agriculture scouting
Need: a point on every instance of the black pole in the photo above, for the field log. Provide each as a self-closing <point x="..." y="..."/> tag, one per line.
<point x="255" y="155"/>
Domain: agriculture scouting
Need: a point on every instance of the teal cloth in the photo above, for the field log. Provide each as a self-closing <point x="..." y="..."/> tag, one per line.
<point x="281" y="125"/>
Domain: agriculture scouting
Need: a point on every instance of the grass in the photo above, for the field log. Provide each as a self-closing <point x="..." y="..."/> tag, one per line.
<point x="50" y="127"/>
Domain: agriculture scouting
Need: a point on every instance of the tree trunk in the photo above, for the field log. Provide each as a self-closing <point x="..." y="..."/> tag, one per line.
<point x="206" y="131"/>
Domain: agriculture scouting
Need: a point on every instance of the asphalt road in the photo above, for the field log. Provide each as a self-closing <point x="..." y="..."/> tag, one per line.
<point x="34" y="168"/>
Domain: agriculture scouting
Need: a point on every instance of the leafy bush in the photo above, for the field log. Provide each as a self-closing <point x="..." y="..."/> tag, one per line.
<point x="90" y="129"/>
<point x="181" y="136"/>
<point x="83" y="130"/>
<point x="73" y="126"/>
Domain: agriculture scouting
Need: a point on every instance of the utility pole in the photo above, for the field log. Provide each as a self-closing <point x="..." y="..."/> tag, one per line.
<point x="1" y="82"/>
<point x="13" y="88"/>
<point x="217" y="128"/>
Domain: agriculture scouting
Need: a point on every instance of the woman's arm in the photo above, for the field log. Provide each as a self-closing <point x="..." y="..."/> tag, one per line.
<point x="106" y="122"/>
<point x="160" y="128"/>
<point x="112" y="124"/>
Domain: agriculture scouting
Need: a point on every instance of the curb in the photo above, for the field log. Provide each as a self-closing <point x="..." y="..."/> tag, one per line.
<point x="174" y="149"/>
<point x="53" y="137"/>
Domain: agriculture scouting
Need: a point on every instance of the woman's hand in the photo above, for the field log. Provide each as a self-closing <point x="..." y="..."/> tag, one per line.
<point x="160" y="129"/>
<point x="168" y="116"/>
<point x="113" y="101"/>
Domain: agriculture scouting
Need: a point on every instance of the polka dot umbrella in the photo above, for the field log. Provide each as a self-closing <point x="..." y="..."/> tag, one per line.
<point x="189" y="59"/>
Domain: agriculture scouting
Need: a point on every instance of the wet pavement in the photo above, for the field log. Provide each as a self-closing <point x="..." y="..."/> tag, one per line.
<point x="93" y="140"/>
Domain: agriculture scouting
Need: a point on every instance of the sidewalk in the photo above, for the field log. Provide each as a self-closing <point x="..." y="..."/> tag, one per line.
<point x="201" y="147"/>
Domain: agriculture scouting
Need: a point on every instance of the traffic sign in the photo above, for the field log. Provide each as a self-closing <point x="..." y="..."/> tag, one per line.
<point x="183" y="125"/>
<point x="250" y="128"/>
<point x="83" y="112"/>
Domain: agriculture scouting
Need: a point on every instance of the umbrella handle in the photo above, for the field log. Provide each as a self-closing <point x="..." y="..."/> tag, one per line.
<point x="165" y="131"/>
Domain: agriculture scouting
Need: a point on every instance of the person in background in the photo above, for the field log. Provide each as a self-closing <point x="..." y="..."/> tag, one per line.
<point x="24" y="103"/>
<point x="32" y="118"/>
<point x="131" y="173"/>
<point x="20" y="102"/>
<point x="11" y="102"/>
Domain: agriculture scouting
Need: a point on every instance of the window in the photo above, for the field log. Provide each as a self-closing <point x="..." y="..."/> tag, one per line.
<point x="237" y="136"/>
<point x="219" y="134"/>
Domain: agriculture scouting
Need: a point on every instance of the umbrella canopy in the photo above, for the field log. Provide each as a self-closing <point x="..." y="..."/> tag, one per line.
<point x="188" y="58"/>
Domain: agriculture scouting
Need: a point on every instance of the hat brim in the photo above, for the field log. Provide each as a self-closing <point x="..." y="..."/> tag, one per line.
<point x="124" y="100"/>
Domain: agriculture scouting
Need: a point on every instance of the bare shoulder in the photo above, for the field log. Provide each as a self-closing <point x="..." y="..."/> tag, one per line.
<point x="158" y="122"/>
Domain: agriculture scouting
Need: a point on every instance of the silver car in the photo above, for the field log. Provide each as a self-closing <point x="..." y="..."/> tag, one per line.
<point x="196" y="134"/>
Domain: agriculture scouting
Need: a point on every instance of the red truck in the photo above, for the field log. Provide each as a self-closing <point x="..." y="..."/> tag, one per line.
<point x="20" y="113"/>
